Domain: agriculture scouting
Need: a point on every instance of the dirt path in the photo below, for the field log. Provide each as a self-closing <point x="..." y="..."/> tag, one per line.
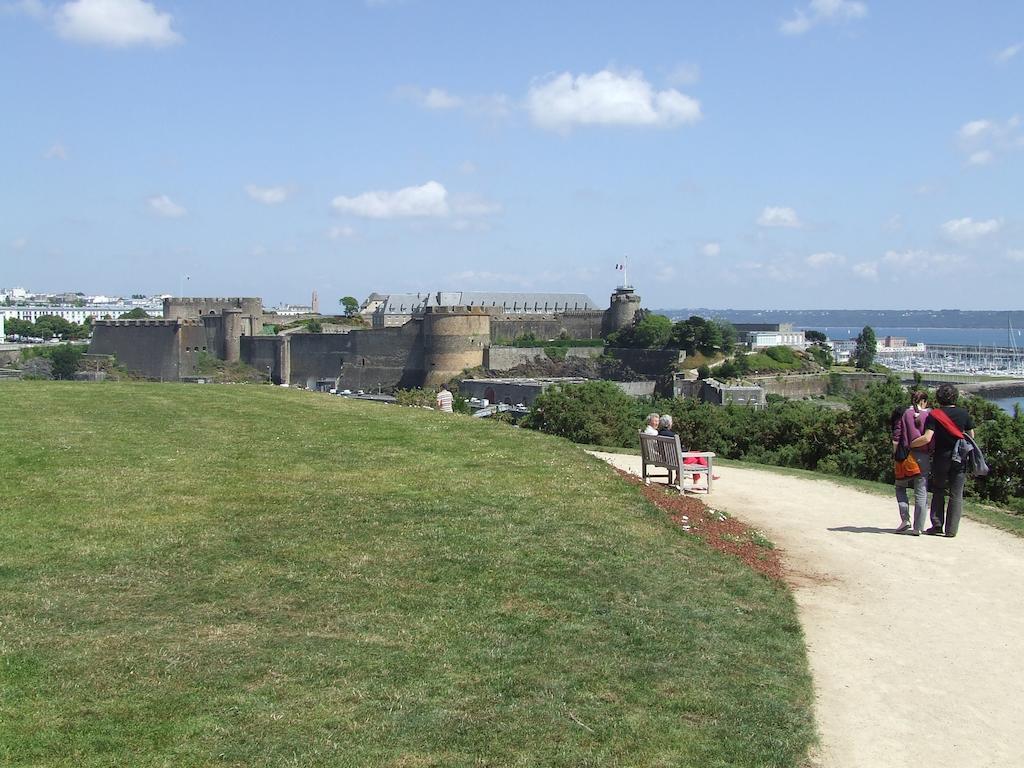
<point x="916" y="644"/>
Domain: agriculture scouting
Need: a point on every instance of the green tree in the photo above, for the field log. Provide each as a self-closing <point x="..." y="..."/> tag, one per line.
<point x="14" y="326"/>
<point x="816" y="337"/>
<point x="821" y="354"/>
<point x="866" y="348"/>
<point x="703" y="372"/>
<point x="135" y="314"/>
<point x="729" y="337"/>
<point x="49" y="326"/>
<point x="686" y="334"/>
<point x="350" y="304"/>
<point x="314" y="326"/>
<point x="595" y="413"/>
<point x="65" y="360"/>
<point x="649" y="332"/>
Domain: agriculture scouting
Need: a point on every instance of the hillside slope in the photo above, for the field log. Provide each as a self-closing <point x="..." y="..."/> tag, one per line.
<point x="244" y="575"/>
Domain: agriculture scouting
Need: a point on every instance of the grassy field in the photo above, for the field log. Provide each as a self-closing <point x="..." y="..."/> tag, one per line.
<point x="251" y="576"/>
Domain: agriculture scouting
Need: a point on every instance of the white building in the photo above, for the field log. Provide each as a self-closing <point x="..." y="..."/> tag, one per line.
<point x="32" y="312"/>
<point x="781" y="338"/>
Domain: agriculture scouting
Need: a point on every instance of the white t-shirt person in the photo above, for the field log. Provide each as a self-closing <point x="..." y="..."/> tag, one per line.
<point x="444" y="400"/>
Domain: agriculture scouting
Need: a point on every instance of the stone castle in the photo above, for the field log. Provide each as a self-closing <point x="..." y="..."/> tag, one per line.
<point x="433" y="346"/>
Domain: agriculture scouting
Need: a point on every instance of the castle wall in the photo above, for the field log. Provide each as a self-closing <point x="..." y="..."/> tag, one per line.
<point x="813" y="384"/>
<point x="503" y="358"/>
<point x="650" y="362"/>
<point x="498" y="358"/>
<point x="156" y="349"/>
<point x="574" y="325"/>
<point x="390" y="357"/>
<point x="260" y="352"/>
<point x="199" y="308"/>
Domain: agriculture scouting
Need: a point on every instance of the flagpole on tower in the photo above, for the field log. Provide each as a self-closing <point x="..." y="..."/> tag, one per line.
<point x="621" y="267"/>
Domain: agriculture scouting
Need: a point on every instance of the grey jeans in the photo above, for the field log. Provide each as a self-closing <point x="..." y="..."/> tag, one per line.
<point x="920" y="485"/>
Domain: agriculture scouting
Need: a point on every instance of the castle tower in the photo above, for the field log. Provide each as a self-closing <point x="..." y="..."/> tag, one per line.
<point x="232" y="335"/>
<point x="315" y="304"/>
<point x="453" y="340"/>
<point x="625" y="303"/>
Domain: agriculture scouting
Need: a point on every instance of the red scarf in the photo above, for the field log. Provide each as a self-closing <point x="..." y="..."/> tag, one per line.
<point x="947" y="422"/>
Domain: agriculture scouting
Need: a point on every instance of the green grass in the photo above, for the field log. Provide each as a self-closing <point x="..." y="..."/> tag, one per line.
<point x="251" y="576"/>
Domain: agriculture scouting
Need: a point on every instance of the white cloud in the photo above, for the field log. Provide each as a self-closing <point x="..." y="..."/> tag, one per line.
<point x="982" y="141"/>
<point x="19" y="244"/>
<point x="967" y="229"/>
<point x="341" y="233"/>
<point x="56" y="152"/>
<point x="432" y="98"/>
<point x="684" y="74"/>
<point x="777" y="216"/>
<point x="866" y="269"/>
<point x="118" y="23"/>
<point x="607" y="98"/>
<point x="823" y="11"/>
<point x="711" y="250"/>
<point x="1015" y="254"/>
<point x="468" y="205"/>
<point x="428" y="200"/>
<point x="468" y="168"/>
<point x="1009" y="52"/>
<point x="267" y="195"/>
<point x="436" y="98"/>
<point x="974" y="128"/>
<point x="162" y="205"/>
<point x="32" y="8"/>
<point x="917" y="259"/>
<point x="824" y="259"/>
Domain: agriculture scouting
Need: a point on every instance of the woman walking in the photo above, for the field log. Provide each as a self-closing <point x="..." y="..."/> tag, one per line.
<point x="908" y="426"/>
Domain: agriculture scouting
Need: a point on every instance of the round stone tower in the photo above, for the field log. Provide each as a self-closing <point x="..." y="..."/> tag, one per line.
<point x="232" y="335"/>
<point x="453" y="340"/>
<point x="625" y="303"/>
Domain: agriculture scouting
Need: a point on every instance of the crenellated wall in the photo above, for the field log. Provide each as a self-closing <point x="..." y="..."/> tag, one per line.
<point x="156" y="349"/>
<point x="427" y="350"/>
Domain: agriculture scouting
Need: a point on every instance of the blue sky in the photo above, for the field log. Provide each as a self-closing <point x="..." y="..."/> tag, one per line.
<point x="804" y="154"/>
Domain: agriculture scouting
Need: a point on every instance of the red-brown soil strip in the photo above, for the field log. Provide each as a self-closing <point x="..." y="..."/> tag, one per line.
<point x="723" y="533"/>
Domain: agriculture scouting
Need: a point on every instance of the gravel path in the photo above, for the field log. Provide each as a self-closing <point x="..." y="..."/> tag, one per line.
<point x="916" y="644"/>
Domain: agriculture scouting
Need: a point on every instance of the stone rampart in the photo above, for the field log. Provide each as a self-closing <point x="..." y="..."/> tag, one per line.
<point x="157" y="349"/>
<point x="813" y="384"/>
<point x="650" y="362"/>
<point x="573" y="325"/>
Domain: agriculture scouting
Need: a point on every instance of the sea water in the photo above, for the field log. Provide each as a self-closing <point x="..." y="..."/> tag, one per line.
<point x="1007" y="403"/>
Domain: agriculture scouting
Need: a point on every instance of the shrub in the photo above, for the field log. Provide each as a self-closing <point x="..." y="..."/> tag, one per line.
<point x="595" y="413"/>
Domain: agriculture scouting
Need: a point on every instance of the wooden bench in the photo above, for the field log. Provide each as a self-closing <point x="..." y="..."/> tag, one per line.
<point x="665" y="452"/>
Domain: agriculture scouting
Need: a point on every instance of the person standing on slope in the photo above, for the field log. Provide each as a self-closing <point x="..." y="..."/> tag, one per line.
<point x="907" y="427"/>
<point x="444" y="399"/>
<point x="947" y="476"/>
